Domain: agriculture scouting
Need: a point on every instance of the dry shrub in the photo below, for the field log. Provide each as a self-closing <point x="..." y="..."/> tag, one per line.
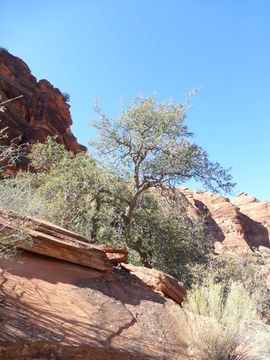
<point x="225" y="324"/>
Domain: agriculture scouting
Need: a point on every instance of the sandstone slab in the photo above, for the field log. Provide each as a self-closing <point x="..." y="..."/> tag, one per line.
<point x="54" y="241"/>
<point x="51" y="309"/>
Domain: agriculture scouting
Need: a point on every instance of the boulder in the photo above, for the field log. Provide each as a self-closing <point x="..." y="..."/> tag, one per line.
<point x="159" y="281"/>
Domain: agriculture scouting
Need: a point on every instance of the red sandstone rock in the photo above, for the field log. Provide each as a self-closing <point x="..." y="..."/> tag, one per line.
<point x="41" y="112"/>
<point x="234" y="226"/>
<point x="54" y="241"/>
<point x="259" y="212"/>
<point x="159" y="281"/>
<point x="50" y="309"/>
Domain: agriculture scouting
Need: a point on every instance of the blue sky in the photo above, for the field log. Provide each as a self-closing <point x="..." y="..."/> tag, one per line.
<point x="121" y="48"/>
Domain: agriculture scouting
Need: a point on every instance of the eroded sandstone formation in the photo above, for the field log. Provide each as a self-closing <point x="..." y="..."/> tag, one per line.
<point x="235" y="226"/>
<point x="41" y="112"/>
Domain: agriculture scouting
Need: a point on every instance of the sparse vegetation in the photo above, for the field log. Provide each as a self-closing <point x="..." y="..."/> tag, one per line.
<point x="225" y="324"/>
<point x="66" y="96"/>
<point x="247" y="271"/>
<point x="11" y="192"/>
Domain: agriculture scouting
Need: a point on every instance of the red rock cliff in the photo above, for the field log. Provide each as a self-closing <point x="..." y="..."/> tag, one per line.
<point x="235" y="226"/>
<point x="41" y="112"/>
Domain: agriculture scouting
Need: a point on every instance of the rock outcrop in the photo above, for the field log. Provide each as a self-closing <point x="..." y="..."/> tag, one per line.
<point x="59" y="309"/>
<point x="51" y="309"/>
<point x="159" y="281"/>
<point x="235" y="226"/>
<point x="48" y="239"/>
<point x="41" y="112"/>
<point x="259" y="213"/>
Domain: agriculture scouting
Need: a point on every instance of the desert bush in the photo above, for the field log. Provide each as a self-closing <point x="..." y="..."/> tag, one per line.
<point x="66" y="96"/>
<point x="11" y="229"/>
<point x="171" y="242"/>
<point x="245" y="270"/>
<point x="15" y="194"/>
<point x="225" y="324"/>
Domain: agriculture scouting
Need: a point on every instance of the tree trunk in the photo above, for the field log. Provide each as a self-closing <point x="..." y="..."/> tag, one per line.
<point x="127" y="231"/>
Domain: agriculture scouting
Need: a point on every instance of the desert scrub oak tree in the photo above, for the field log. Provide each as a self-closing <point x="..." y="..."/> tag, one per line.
<point x="150" y="145"/>
<point x="225" y="324"/>
<point x="72" y="191"/>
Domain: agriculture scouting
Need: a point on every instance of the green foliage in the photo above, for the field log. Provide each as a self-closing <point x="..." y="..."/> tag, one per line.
<point x="244" y="270"/>
<point x="66" y="97"/>
<point x="148" y="146"/>
<point x="225" y="324"/>
<point x="170" y="241"/>
<point x="71" y="191"/>
<point x="150" y="143"/>
<point x="45" y="155"/>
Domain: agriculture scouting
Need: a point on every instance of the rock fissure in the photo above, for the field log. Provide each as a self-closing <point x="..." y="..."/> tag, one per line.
<point x="121" y="329"/>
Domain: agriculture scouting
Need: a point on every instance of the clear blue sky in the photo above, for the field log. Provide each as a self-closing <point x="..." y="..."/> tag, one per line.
<point x="120" y="48"/>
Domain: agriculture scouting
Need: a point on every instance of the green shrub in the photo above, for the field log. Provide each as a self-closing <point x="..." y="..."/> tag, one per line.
<point x="66" y="96"/>
<point x="12" y="195"/>
<point x="225" y="324"/>
<point x="245" y="270"/>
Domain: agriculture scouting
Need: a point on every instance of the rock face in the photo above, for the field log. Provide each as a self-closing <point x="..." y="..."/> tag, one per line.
<point x="41" y="112"/>
<point x="55" y="309"/>
<point x="234" y="226"/>
<point x="51" y="309"/>
<point x="259" y="212"/>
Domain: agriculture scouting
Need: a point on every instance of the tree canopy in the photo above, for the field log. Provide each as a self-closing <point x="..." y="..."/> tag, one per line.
<point x="150" y="145"/>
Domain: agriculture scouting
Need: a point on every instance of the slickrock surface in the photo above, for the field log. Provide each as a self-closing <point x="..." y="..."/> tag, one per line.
<point x="51" y="309"/>
<point x="41" y="112"/>
<point x="54" y="241"/>
<point x="234" y="226"/>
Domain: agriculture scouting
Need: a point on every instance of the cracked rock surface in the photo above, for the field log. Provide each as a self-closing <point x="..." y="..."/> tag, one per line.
<point x="51" y="309"/>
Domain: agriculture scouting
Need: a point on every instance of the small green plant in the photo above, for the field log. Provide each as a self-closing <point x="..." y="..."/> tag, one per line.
<point x="225" y="324"/>
<point x="66" y="97"/>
